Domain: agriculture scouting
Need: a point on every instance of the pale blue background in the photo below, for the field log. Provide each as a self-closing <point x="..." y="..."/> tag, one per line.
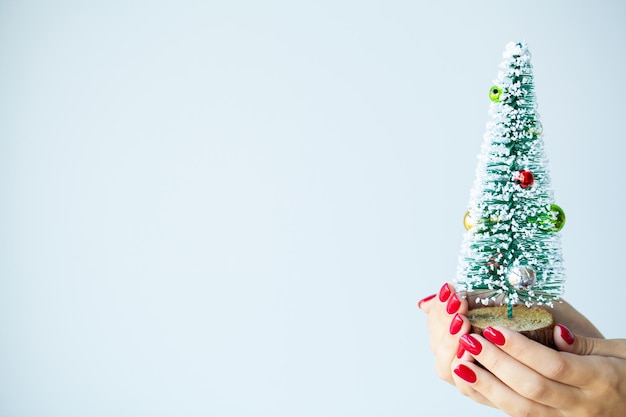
<point x="231" y="208"/>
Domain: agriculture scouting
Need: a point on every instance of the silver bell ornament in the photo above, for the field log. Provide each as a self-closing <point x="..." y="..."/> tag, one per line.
<point x="521" y="277"/>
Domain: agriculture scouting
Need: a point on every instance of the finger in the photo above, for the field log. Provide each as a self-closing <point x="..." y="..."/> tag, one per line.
<point x="565" y="370"/>
<point x="564" y="313"/>
<point x="425" y="303"/>
<point x="467" y="389"/>
<point x="444" y="293"/>
<point x="505" y="363"/>
<point x="482" y="386"/>
<point x="566" y="341"/>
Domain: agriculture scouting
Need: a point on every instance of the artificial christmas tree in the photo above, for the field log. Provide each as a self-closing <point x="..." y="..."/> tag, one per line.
<point x="511" y="262"/>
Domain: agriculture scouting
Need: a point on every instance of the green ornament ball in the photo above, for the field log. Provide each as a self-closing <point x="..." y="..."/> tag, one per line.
<point x="494" y="93"/>
<point x="559" y="222"/>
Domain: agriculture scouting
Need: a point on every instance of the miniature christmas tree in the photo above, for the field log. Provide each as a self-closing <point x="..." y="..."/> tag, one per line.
<point x="511" y="252"/>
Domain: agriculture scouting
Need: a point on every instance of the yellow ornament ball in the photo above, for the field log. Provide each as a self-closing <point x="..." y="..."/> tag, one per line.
<point x="468" y="222"/>
<point x="537" y="129"/>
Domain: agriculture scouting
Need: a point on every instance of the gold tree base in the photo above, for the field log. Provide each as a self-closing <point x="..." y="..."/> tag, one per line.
<point x="536" y="323"/>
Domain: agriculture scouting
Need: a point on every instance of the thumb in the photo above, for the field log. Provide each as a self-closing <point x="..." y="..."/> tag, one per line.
<point x="566" y="341"/>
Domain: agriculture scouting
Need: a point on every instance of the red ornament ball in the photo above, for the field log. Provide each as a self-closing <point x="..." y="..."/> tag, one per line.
<point x="524" y="179"/>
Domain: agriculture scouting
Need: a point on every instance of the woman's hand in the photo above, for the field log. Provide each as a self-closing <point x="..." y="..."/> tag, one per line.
<point x="524" y="378"/>
<point x="447" y="324"/>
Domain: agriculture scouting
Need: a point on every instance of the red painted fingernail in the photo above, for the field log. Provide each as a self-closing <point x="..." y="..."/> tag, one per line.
<point x="423" y="300"/>
<point x="453" y="304"/>
<point x="493" y="336"/>
<point x="444" y="293"/>
<point x="465" y="373"/>
<point x="460" y="351"/>
<point x="470" y="344"/>
<point x="566" y="334"/>
<point x="456" y="324"/>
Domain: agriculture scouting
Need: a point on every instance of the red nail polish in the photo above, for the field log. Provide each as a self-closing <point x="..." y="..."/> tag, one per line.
<point x="453" y="304"/>
<point x="456" y="324"/>
<point x="465" y="373"/>
<point x="566" y="334"/>
<point x="444" y="293"/>
<point x="493" y="336"/>
<point x="460" y="351"/>
<point x="423" y="300"/>
<point x="470" y="344"/>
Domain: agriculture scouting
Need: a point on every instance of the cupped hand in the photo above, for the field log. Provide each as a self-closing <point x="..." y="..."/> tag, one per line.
<point x="524" y="378"/>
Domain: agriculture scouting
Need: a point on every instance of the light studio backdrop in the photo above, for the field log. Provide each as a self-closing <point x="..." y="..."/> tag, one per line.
<point x="231" y="208"/>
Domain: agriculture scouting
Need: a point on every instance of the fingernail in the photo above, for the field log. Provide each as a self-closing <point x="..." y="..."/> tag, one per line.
<point x="465" y="373"/>
<point x="453" y="304"/>
<point x="444" y="293"/>
<point x="460" y="351"/>
<point x="566" y="334"/>
<point x="493" y="336"/>
<point x="456" y="324"/>
<point x="423" y="300"/>
<point x="470" y="344"/>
